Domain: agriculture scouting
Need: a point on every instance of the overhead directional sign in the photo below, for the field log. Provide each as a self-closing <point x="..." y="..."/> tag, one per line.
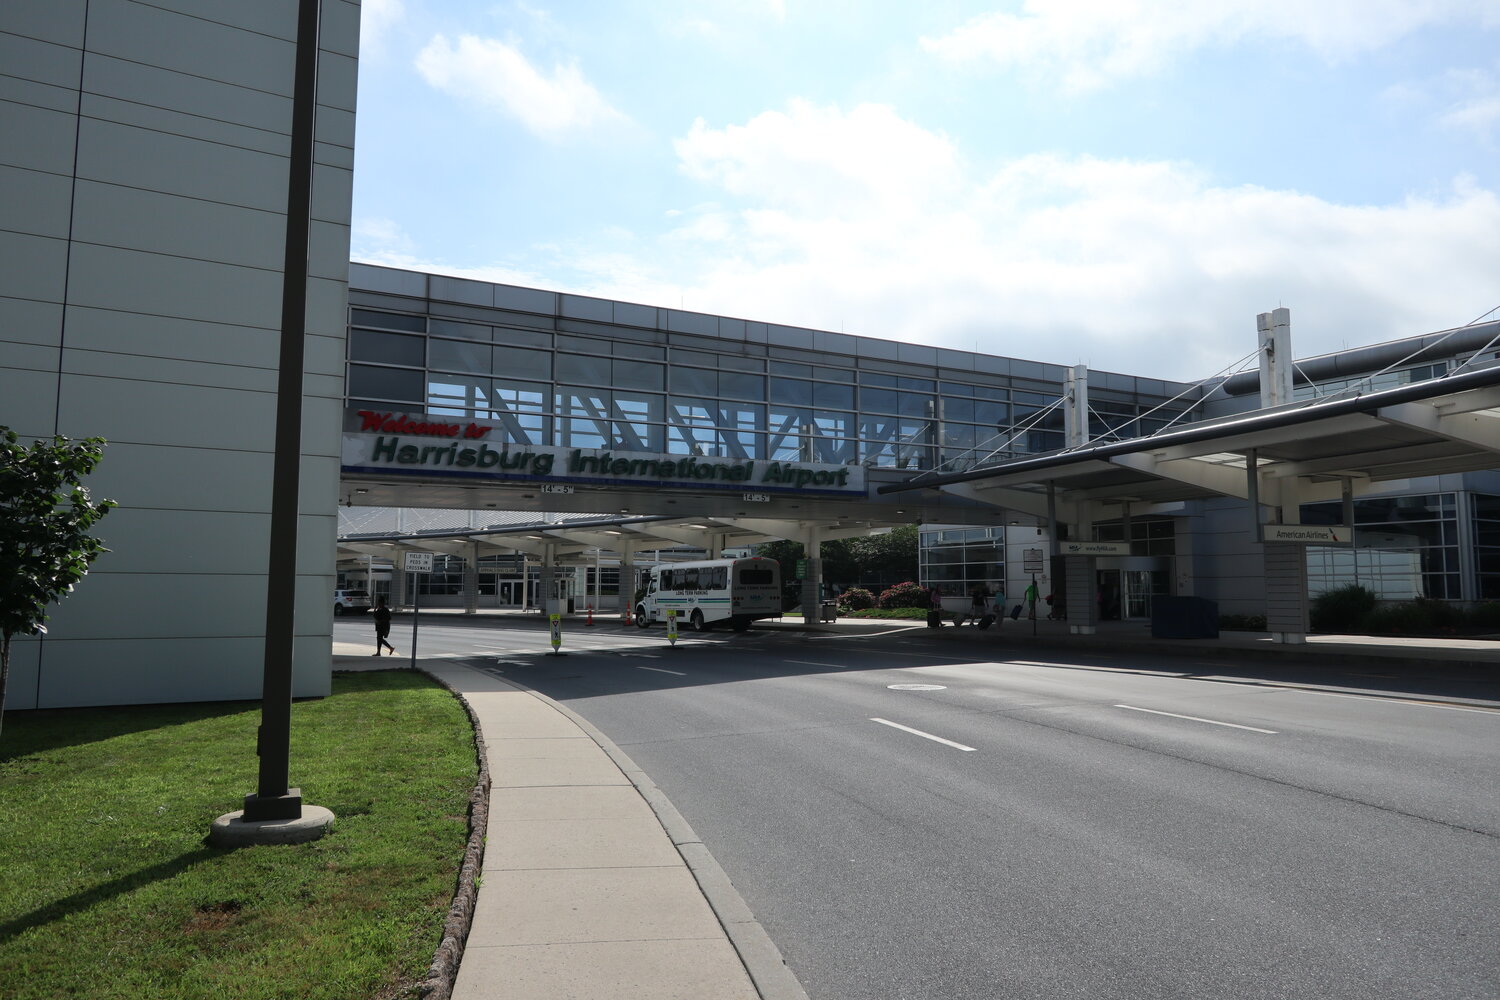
<point x="1094" y="548"/>
<point x="418" y="562"/>
<point x="1308" y="534"/>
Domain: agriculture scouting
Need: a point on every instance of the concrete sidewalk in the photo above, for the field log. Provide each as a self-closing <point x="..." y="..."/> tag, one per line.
<point x="593" y="885"/>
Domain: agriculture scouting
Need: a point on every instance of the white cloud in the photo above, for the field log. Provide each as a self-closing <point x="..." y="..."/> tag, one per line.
<point x="497" y="75"/>
<point x="1477" y="108"/>
<point x="1085" y="44"/>
<point x="1142" y="267"/>
<point x="376" y="20"/>
<point x="379" y="235"/>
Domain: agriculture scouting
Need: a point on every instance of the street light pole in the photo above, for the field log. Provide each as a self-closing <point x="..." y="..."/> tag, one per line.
<point x="274" y="800"/>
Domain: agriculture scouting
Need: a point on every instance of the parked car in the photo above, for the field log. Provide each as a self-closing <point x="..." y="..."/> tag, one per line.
<point x="350" y="602"/>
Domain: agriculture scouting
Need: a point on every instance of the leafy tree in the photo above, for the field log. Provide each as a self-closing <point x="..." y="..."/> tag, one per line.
<point x="45" y="517"/>
<point x="875" y="559"/>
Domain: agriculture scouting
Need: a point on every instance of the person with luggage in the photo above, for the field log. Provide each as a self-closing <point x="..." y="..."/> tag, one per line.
<point x="979" y="608"/>
<point x="935" y="608"/>
<point x="1030" y="599"/>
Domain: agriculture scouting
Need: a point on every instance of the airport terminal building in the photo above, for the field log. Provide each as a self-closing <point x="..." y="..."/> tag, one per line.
<point x="145" y="234"/>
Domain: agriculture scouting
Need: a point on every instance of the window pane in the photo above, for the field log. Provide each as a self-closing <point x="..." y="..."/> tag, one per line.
<point x="450" y="391"/>
<point x="914" y="404"/>
<point x="958" y="409"/>
<point x="838" y="396"/>
<point x="793" y="391"/>
<point x="694" y="381"/>
<point x="523" y="338"/>
<point x="460" y="356"/>
<point x="638" y="375"/>
<point x="520" y="408"/>
<point x="448" y="328"/>
<point x="638" y="421"/>
<point x="578" y="368"/>
<point x="994" y="414"/>
<point x="742" y="386"/>
<point x="880" y="400"/>
<point x="625" y="349"/>
<point x="519" y="362"/>
<point x="386" y="383"/>
<point x="385" y="348"/>
<point x="388" y="321"/>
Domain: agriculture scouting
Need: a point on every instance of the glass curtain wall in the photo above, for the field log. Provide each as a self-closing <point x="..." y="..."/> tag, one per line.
<point x="1404" y="547"/>
<point x="959" y="560"/>
<point x="1487" y="545"/>
<point x="563" y="390"/>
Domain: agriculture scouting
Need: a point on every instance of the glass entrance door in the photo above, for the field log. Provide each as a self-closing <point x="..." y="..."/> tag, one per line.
<point x="1140" y="586"/>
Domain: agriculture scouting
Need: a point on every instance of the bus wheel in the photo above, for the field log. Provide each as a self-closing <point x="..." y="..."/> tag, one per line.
<point x="697" y="621"/>
<point x="640" y="616"/>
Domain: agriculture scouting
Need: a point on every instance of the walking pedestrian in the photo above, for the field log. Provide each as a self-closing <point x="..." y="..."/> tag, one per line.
<point x="382" y="616"/>
<point x="1031" y="595"/>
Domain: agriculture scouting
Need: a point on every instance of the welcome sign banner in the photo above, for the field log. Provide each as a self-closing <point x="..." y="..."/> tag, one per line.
<point x="390" y="442"/>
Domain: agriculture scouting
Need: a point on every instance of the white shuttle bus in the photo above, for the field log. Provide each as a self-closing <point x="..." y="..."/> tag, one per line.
<point x="737" y="591"/>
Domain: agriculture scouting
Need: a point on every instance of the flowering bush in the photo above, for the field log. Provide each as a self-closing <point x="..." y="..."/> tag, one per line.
<point x="905" y="595"/>
<point x="857" y="599"/>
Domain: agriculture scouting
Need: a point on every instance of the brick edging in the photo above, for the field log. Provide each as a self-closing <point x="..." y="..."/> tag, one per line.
<point x="441" y="974"/>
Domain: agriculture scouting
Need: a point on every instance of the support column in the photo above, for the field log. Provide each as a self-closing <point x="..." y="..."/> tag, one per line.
<point x="1286" y="592"/>
<point x="471" y="579"/>
<point x="1083" y="606"/>
<point x="627" y="583"/>
<point x="1275" y="328"/>
<point x="1076" y="406"/>
<point x="547" y="585"/>
<point x="1057" y="566"/>
<point x="812" y="580"/>
<point x="398" y="580"/>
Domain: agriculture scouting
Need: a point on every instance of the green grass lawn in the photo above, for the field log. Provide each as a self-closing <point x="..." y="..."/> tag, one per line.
<point x="110" y="890"/>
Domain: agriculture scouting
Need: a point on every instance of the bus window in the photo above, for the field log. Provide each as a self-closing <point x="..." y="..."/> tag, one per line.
<point x="756" y="576"/>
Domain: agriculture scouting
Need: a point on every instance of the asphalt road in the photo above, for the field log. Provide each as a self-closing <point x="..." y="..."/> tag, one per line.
<point x="1053" y="827"/>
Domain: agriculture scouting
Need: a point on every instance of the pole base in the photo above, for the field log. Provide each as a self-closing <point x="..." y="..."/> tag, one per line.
<point x="233" y="830"/>
<point x="288" y="806"/>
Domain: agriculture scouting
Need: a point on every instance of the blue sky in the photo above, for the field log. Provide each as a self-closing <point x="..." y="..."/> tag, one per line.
<point x="1123" y="183"/>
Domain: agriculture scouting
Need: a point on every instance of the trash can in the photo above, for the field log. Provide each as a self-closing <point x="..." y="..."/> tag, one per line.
<point x="1184" y="617"/>
<point x="830" y="611"/>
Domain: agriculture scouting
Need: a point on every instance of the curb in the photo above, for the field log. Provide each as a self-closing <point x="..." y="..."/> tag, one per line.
<point x="768" y="971"/>
<point x="1461" y="660"/>
<point x="443" y="972"/>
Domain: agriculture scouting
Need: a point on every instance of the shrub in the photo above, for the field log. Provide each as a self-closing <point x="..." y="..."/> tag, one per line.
<point x="856" y="599"/>
<point x="1485" y="613"/>
<point x="1343" y="609"/>
<point x="1422" y="616"/>
<point x="1242" y="623"/>
<point x="905" y="595"/>
<point x="910" y="614"/>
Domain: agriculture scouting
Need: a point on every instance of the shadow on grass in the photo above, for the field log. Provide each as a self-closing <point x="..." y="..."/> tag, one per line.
<point x="81" y="901"/>
<point x="42" y="729"/>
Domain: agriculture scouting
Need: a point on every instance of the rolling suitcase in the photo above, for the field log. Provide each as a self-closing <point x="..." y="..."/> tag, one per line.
<point x="986" y="621"/>
<point x="1015" y="612"/>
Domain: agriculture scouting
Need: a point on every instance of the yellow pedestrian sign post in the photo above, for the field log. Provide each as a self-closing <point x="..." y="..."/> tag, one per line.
<point x="672" y="627"/>
<point x="555" y="621"/>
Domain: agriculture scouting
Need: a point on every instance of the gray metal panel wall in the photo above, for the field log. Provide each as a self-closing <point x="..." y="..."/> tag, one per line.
<point x="144" y="213"/>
